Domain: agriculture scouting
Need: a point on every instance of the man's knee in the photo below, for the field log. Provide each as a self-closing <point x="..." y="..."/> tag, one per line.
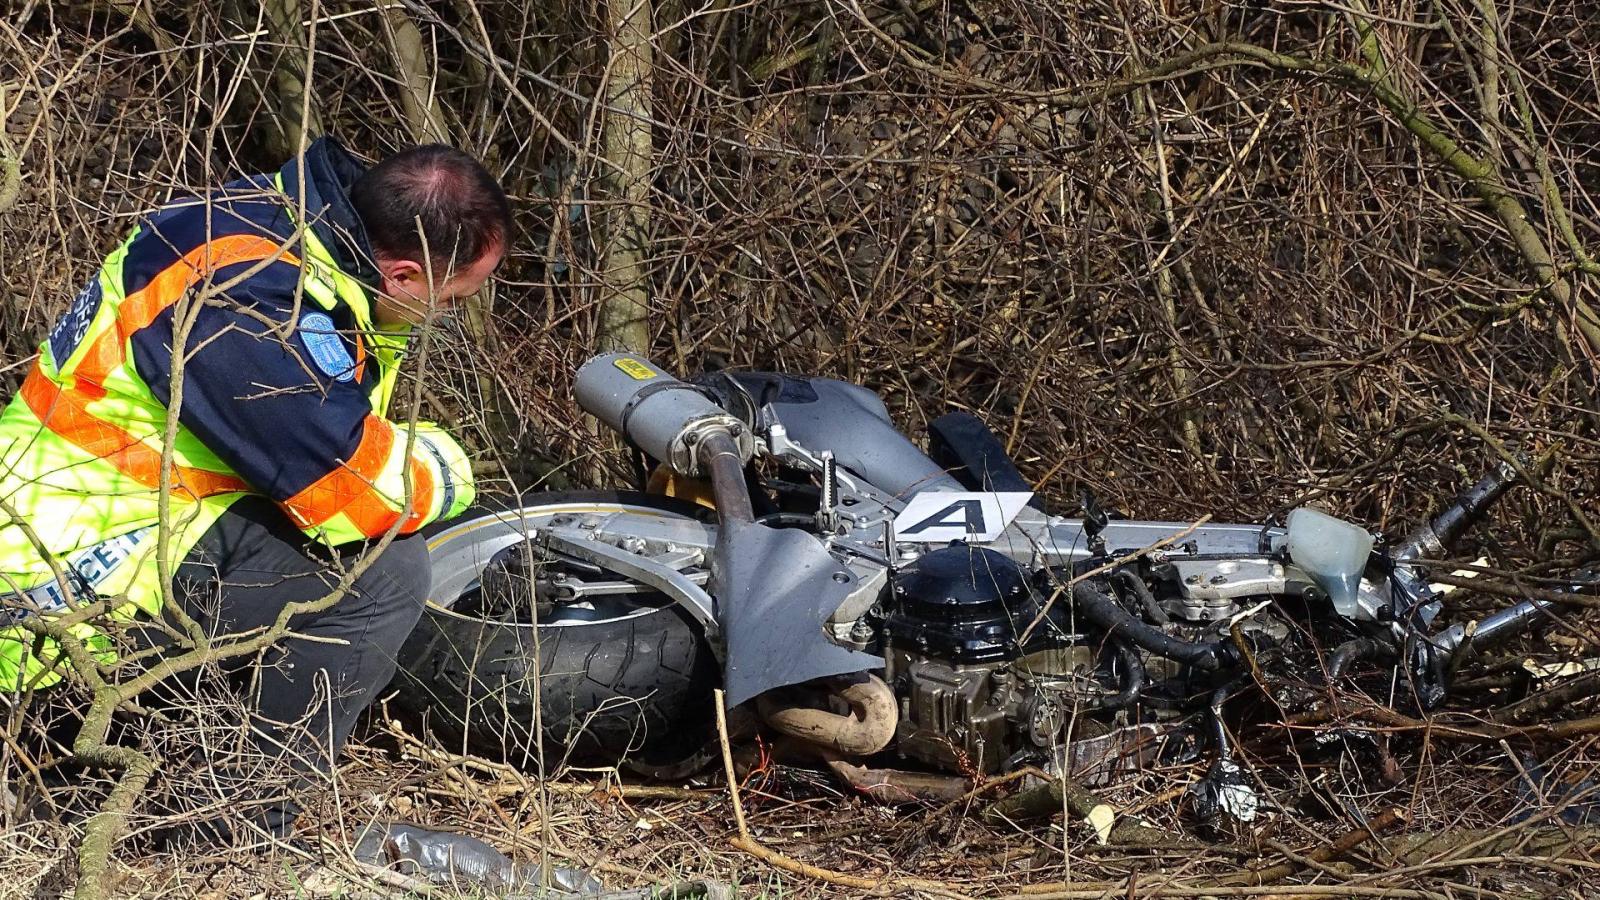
<point x="399" y="579"/>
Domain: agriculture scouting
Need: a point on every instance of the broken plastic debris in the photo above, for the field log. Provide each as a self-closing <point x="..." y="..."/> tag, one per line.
<point x="1559" y="670"/>
<point x="445" y="858"/>
<point x="1473" y="572"/>
<point x="1543" y="790"/>
<point x="1226" y="789"/>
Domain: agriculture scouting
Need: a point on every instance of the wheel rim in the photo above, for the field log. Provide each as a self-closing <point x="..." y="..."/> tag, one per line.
<point x="462" y="552"/>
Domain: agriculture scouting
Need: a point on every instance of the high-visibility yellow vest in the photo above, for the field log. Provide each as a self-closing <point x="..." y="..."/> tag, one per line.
<point x="81" y="445"/>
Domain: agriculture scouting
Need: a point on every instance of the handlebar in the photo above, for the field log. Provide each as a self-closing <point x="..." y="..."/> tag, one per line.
<point x="1431" y="538"/>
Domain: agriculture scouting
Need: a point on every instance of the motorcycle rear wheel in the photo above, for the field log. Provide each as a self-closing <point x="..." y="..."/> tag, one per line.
<point x="627" y="683"/>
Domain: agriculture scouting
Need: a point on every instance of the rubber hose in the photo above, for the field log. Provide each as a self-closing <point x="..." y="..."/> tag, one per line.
<point x="1219" y="731"/>
<point x="1350" y="652"/>
<point x="1102" y="609"/>
<point x="1133" y="681"/>
<point x="1147" y="600"/>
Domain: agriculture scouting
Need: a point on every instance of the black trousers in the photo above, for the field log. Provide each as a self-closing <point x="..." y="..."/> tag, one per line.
<point x="306" y="692"/>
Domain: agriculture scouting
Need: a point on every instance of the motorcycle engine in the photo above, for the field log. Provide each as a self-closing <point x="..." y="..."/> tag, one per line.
<point x="971" y="696"/>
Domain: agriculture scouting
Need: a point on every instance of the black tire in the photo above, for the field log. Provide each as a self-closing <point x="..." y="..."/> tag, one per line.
<point x="636" y="690"/>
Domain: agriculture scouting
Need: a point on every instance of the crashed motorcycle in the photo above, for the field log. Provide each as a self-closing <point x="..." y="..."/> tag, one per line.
<point x="871" y="599"/>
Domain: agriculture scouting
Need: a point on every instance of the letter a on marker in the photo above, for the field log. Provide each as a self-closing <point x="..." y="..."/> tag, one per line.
<point x="964" y="514"/>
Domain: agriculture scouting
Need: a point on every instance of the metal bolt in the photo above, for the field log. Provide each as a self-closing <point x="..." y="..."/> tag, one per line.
<point x="841" y="578"/>
<point x="1192" y="579"/>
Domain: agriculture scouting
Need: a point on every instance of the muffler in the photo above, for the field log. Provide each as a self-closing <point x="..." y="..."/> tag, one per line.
<point x="667" y="418"/>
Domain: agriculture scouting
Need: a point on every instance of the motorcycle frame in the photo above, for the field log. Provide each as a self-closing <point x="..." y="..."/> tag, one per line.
<point x="854" y="523"/>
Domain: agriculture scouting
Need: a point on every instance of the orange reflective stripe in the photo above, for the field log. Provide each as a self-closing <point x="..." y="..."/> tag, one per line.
<point x="66" y="414"/>
<point x="422" y="494"/>
<point x="361" y="359"/>
<point x="329" y="495"/>
<point x="140" y="308"/>
<point x="351" y="488"/>
<point x="372" y="513"/>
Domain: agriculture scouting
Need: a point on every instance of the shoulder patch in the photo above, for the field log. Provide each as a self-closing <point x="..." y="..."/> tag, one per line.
<point x="326" y="347"/>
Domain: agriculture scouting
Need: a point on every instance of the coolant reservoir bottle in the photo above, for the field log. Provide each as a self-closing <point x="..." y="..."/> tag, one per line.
<point x="1333" y="552"/>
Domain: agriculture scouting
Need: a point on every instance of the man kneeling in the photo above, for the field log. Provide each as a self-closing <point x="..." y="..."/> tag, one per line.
<point x="292" y="296"/>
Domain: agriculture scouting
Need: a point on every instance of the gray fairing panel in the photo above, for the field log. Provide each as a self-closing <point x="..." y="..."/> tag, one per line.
<point x="852" y="422"/>
<point x="775" y="588"/>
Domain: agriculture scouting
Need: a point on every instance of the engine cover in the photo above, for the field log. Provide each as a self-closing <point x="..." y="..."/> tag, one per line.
<point x="953" y="716"/>
<point x="962" y="605"/>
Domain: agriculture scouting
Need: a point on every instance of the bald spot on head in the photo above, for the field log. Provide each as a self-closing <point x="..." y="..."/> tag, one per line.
<point x="463" y="212"/>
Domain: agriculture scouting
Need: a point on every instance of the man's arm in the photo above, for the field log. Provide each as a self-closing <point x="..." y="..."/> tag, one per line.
<point x="291" y="416"/>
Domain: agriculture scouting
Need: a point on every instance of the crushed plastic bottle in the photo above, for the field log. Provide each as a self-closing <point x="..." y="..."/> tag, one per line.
<point x="446" y="858"/>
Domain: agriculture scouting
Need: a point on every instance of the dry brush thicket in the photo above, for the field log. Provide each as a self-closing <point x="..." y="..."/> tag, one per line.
<point x="1198" y="258"/>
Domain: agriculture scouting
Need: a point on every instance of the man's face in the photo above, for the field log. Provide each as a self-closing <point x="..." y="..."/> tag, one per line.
<point x="407" y="296"/>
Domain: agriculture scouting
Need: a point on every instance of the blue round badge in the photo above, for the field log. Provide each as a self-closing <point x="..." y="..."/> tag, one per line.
<point x="327" y="349"/>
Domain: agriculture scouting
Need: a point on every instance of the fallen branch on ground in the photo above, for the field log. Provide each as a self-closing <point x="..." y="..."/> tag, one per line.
<point x="1342" y="845"/>
<point x="1064" y="793"/>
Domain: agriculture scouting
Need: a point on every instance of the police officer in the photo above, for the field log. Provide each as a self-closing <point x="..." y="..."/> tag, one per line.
<point x="292" y="295"/>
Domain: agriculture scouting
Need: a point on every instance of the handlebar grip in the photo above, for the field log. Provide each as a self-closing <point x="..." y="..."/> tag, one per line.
<point x="1434" y="537"/>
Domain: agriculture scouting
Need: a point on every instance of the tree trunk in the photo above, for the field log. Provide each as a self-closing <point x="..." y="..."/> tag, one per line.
<point x="295" y="121"/>
<point x="424" y="118"/>
<point x="625" y="296"/>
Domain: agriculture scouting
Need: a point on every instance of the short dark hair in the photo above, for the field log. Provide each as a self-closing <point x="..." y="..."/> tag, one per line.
<point x="463" y="210"/>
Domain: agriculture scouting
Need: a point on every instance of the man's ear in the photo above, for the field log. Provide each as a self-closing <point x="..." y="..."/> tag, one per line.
<point x="404" y="274"/>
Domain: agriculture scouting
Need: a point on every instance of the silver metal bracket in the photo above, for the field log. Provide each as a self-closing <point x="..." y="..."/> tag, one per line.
<point x="675" y="584"/>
